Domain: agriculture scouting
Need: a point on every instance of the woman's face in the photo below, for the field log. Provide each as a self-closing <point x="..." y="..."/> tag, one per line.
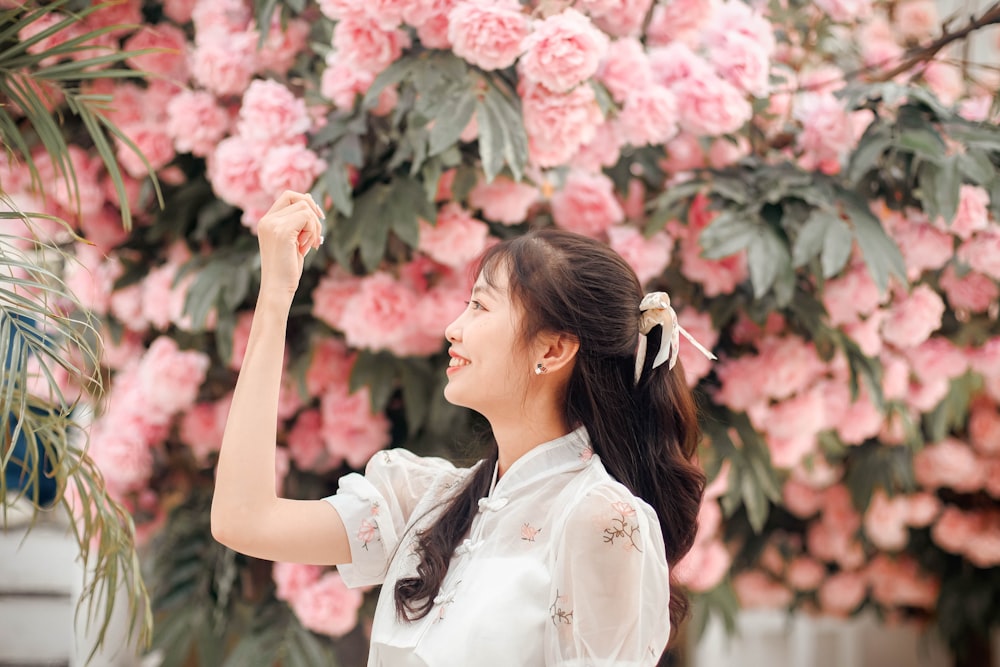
<point x="489" y="367"/>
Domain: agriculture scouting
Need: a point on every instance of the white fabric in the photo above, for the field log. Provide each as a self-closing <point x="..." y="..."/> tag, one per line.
<point x="562" y="566"/>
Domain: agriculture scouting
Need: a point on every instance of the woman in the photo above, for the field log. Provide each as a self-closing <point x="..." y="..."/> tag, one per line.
<point x="553" y="550"/>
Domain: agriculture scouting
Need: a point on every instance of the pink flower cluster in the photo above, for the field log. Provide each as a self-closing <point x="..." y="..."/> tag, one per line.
<point x="320" y="600"/>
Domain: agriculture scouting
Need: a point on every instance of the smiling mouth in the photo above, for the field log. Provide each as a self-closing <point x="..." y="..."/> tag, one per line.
<point x="456" y="362"/>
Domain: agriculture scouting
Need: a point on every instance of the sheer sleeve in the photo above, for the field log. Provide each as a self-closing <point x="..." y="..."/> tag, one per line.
<point x="610" y="585"/>
<point x="376" y="507"/>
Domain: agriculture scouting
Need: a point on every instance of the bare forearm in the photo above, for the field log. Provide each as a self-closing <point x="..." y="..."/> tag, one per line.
<point x="245" y="477"/>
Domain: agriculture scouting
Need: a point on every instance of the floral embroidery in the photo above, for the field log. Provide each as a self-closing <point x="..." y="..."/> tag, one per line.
<point x="369" y="527"/>
<point x="586" y="454"/>
<point x="622" y="526"/>
<point x="528" y="532"/>
<point x="445" y="599"/>
<point x="557" y="613"/>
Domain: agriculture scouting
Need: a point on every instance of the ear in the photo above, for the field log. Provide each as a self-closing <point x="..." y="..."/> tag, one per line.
<point x="557" y="351"/>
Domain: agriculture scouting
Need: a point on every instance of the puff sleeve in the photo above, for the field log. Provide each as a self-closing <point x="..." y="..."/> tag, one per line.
<point x="376" y="508"/>
<point x="610" y="584"/>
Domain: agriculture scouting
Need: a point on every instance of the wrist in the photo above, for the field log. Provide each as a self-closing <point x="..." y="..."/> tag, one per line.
<point x="277" y="301"/>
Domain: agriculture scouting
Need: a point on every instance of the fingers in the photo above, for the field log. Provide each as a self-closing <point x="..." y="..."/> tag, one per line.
<point x="290" y="197"/>
<point x="301" y="216"/>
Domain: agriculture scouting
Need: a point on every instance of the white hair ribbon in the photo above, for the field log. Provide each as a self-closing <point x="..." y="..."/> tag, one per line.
<point x="654" y="309"/>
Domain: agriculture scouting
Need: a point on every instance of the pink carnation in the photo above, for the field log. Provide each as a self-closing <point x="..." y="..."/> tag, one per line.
<point x="169" y="378"/>
<point x="456" y="239"/>
<point x="490" y="35"/>
<point x="913" y="318"/>
<point x="851" y="295"/>
<point x="120" y="451"/>
<point x="271" y="114"/>
<point x="196" y="122"/>
<point x="154" y="144"/>
<point x="563" y="51"/>
<point x="378" y="315"/>
<point x="649" y="116"/>
<point x="827" y="132"/>
<point x="305" y="444"/>
<point x="282" y="45"/>
<point x="349" y="429"/>
<point x="331" y="295"/>
<point x="699" y="325"/>
<point x="291" y="167"/>
<point x="504" y="200"/>
<point x="899" y="582"/>
<point x="328" y="607"/>
<point x="842" y="592"/>
<point x="734" y="17"/>
<point x="603" y="149"/>
<point x="625" y="69"/>
<point x="950" y="464"/>
<point x="234" y="171"/>
<point x="586" y="204"/>
<point x="676" y="63"/>
<point x="923" y="246"/>
<point x="342" y="82"/>
<point x="179" y="11"/>
<point x="202" y="427"/>
<point x="743" y="62"/>
<point x="846" y="11"/>
<point x="679" y="21"/>
<point x="710" y="106"/>
<point x="648" y="257"/>
<point x="984" y="428"/>
<point x="704" y="566"/>
<point x="972" y="214"/>
<point x="805" y="574"/>
<point x="558" y="124"/>
<point x="755" y="589"/>
<point x="169" y="58"/>
<point x="982" y="252"/>
<point x="224" y="63"/>
<point x="330" y="364"/>
<point x="886" y="521"/>
<point x="622" y="18"/>
<point x="367" y="44"/>
<point x="291" y="579"/>
<point x="973" y="292"/>
<point x="916" y="19"/>
<point x="937" y="358"/>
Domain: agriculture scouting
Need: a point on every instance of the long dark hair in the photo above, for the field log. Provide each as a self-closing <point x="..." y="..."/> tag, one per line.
<point x="645" y="433"/>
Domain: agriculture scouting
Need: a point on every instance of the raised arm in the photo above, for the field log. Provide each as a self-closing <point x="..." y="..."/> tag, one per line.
<point x="247" y="514"/>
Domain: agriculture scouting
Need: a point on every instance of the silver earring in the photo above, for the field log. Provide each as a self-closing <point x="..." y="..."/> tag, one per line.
<point x="539" y="369"/>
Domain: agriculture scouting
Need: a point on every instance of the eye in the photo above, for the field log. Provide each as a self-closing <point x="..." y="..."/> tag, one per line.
<point x="474" y="305"/>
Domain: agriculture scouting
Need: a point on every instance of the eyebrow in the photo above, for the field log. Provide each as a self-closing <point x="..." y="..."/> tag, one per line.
<point x="483" y="289"/>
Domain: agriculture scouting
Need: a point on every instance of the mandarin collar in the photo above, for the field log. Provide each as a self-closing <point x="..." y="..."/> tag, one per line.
<point x="565" y="453"/>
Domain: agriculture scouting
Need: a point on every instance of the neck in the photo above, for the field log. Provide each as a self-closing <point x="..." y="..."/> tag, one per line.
<point x="518" y="435"/>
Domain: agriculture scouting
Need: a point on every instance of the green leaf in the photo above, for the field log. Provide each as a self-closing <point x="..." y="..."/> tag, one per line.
<point x="377" y="371"/>
<point x="872" y="145"/>
<point x="837" y="245"/>
<point x="454" y="116"/>
<point x="880" y="252"/>
<point x="923" y="141"/>
<point x="768" y="257"/>
<point x="809" y="241"/>
<point x="397" y="72"/>
<point x="977" y="167"/>
<point x="336" y="184"/>
<point x="947" y="187"/>
<point x="502" y="138"/>
<point x="728" y="233"/>
<point x="415" y="377"/>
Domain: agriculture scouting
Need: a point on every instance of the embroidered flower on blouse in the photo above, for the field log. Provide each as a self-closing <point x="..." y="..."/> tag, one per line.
<point x="375" y="508"/>
<point x="367" y="532"/>
<point x="557" y="613"/>
<point x="528" y="532"/>
<point x="586" y="454"/>
<point x="622" y="526"/>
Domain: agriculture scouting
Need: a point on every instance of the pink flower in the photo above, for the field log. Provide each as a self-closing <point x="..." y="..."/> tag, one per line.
<point x="972" y="292"/>
<point x="349" y="429"/>
<point x="367" y="531"/>
<point x="365" y="43"/>
<point x="224" y="63"/>
<point x="846" y="11"/>
<point x="850" y="295"/>
<point x="623" y="508"/>
<point x="675" y="63"/>
<point x="827" y="132"/>
<point x="984" y="428"/>
<point x="805" y="574"/>
<point x="378" y="316"/>
<point x="937" y="358"/>
<point x="603" y="149"/>
<point x="950" y="464"/>
<point x="625" y="69"/>
<point x="734" y="17"/>
<point x="913" y="318"/>
<point x="684" y="153"/>
<point x="271" y="114"/>
<point x="154" y="144"/>
<point x="885" y="521"/>
<point x="202" y="427"/>
<point x="169" y="59"/>
<point x="418" y="12"/>
<point x="330" y="363"/>
<point x="456" y="239"/>
<point x="437" y="307"/>
<point x="742" y="61"/>
<point x="433" y="33"/>
<point x="489" y="35"/>
<point x="755" y="589"/>
<point x="121" y="452"/>
<point x="704" y="566"/>
<point x="328" y="606"/>
<point x="504" y="200"/>
<point x="342" y="82"/>
<point x="922" y="245"/>
<point x="529" y="532"/>
<point x="169" y="378"/>
<point x="586" y="204"/>
<point x="860" y="421"/>
<point x="40" y="25"/>
<point x="305" y="444"/>
<point x="178" y="11"/>
<point x="710" y="106"/>
<point x="563" y="51"/>
<point x="196" y="122"/>
<point x="842" y="592"/>
<point x="648" y="257"/>
<point x="899" y="582"/>
<point x="558" y="125"/>
<point x="982" y="252"/>
<point x="679" y="20"/>
<point x="649" y="116"/>
<point x="699" y="325"/>
<point x="972" y="214"/>
<point x="234" y="171"/>
<point x="953" y="530"/>
<point x="922" y="509"/>
<point x="916" y="19"/>
<point x="291" y="167"/>
<point x="282" y="45"/>
<point x="331" y="295"/>
<point x="291" y="579"/>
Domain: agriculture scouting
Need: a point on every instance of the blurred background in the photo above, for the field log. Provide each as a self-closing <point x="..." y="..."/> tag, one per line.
<point x="817" y="185"/>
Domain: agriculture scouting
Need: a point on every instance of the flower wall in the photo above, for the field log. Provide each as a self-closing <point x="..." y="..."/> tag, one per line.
<point x="817" y="191"/>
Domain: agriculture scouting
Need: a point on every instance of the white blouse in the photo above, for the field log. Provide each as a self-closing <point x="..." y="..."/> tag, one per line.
<point x="562" y="565"/>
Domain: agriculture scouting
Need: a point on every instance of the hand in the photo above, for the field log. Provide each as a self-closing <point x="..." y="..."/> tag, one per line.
<point x="285" y="234"/>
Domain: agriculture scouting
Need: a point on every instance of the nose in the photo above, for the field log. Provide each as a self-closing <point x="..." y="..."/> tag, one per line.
<point x="453" y="332"/>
